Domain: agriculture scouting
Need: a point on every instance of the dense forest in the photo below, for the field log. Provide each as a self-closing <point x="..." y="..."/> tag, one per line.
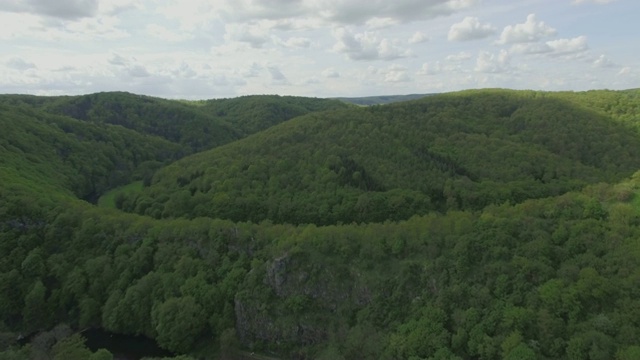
<point x="485" y="224"/>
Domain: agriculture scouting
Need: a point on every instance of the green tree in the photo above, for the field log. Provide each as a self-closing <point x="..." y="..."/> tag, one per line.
<point x="35" y="313"/>
<point x="71" y="348"/>
<point x="178" y="322"/>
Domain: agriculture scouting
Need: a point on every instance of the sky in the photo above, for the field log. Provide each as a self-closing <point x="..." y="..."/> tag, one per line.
<point x="205" y="49"/>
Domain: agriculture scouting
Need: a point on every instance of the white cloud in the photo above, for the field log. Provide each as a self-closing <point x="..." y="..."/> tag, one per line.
<point x="161" y="32"/>
<point x="253" y="71"/>
<point x="459" y="57"/>
<point x="430" y="69"/>
<point x="625" y="71"/>
<point x="138" y="70"/>
<point x="184" y="71"/>
<point x="529" y="31"/>
<point x="492" y="63"/>
<point x="63" y="9"/>
<point x="560" y="47"/>
<point x="330" y="73"/>
<point x="601" y="2"/>
<point x="603" y="62"/>
<point x="367" y="46"/>
<point x="418" y="37"/>
<point x="296" y="42"/>
<point x="116" y="7"/>
<point x="208" y="48"/>
<point x="20" y="64"/>
<point x="396" y="73"/>
<point x="118" y="60"/>
<point x="277" y="77"/>
<point x="361" y="11"/>
<point x="563" y="47"/>
<point x="252" y="35"/>
<point x="530" y="48"/>
<point x="470" y="28"/>
<point x="311" y="81"/>
<point x="373" y="13"/>
<point x="380" y="23"/>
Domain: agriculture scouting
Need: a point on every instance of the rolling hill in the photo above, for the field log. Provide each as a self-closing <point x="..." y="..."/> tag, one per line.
<point x="458" y="151"/>
<point x="485" y="224"/>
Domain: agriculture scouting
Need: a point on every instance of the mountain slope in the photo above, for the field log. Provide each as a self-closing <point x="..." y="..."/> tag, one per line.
<point x="198" y="125"/>
<point x="549" y="278"/>
<point x="454" y="151"/>
<point x="381" y="100"/>
<point x="251" y="114"/>
<point x="72" y="156"/>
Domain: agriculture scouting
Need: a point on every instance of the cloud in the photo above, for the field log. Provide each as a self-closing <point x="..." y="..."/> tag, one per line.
<point x="138" y="71"/>
<point x="530" y="48"/>
<point x="116" y="7"/>
<point x="396" y="73"/>
<point x="601" y="2"/>
<point x="430" y="69"/>
<point x="184" y="71"/>
<point x="252" y="35"/>
<point x="277" y="77"/>
<point x="492" y="63"/>
<point x="529" y="31"/>
<point x="459" y="57"/>
<point x="470" y="28"/>
<point x="373" y="13"/>
<point x="362" y="11"/>
<point x="247" y="10"/>
<point x="625" y="71"/>
<point x="366" y="46"/>
<point x="20" y="64"/>
<point x="381" y="23"/>
<point x="418" y="37"/>
<point x="117" y="60"/>
<point x="160" y="32"/>
<point x="62" y="9"/>
<point x="563" y="47"/>
<point x="603" y="62"/>
<point x="129" y="67"/>
<point x="553" y="48"/>
<point x="296" y="42"/>
<point x="330" y="73"/>
<point x="253" y="71"/>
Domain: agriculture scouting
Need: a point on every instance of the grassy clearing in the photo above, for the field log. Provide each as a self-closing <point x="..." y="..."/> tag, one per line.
<point x="108" y="200"/>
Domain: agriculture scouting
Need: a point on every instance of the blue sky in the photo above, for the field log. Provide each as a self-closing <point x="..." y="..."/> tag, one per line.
<point x="196" y="49"/>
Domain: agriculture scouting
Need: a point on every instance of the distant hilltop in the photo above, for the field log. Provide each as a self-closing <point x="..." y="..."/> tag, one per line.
<point x="379" y="100"/>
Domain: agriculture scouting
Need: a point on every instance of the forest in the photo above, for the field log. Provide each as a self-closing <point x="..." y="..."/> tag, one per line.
<point x="482" y="224"/>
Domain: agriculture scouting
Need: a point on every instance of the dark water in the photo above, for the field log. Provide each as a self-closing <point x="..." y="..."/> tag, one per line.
<point x="124" y="347"/>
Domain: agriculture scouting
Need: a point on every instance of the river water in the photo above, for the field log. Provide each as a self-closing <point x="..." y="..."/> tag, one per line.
<point x="124" y="347"/>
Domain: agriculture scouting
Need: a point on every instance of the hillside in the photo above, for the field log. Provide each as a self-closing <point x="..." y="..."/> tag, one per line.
<point x="251" y="114"/>
<point x="488" y="224"/>
<point x="458" y="151"/>
<point x="380" y="100"/>
<point x="72" y="156"/>
<point x="197" y="125"/>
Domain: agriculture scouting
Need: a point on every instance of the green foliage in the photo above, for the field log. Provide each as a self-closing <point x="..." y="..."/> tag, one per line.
<point x="448" y="152"/>
<point x="115" y="198"/>
<point x="514" y="266"/>
<point x="178" y="322"/>
<point x="71" y="348"/>
<point x="379" y="100"/>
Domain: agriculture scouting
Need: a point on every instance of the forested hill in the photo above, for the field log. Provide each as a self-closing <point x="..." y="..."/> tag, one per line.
<point x="380" y="100"/>
<point x="197" y="125"/>
<point x="479" y="225"/>
<point x="66" y="155"/>
<point x="456" y="151"/>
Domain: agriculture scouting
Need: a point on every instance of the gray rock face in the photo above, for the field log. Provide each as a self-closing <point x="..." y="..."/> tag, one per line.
<point x="302" y="295"/>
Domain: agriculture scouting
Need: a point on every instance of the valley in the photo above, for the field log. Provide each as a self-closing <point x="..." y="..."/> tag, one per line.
<point x="481" y="224"/>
